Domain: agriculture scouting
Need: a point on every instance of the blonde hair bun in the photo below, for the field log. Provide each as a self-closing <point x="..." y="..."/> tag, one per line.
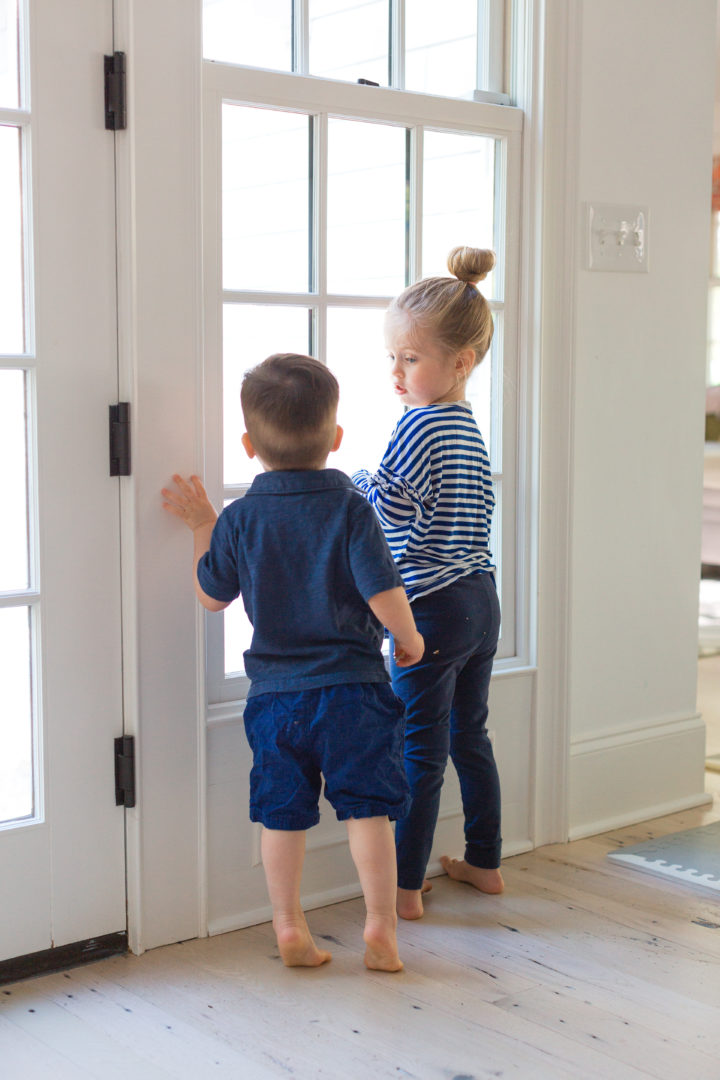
<point x="470" y="264"/>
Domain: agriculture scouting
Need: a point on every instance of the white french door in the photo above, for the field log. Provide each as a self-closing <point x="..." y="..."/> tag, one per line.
<point x="62" y="845"/>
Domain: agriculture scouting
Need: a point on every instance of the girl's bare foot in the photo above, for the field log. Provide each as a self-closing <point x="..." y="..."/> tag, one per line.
<point x="297" y="948"/>
<point x="487" y="881"/>
<point x="381" y="953"/>
<point x="409" y="901"/>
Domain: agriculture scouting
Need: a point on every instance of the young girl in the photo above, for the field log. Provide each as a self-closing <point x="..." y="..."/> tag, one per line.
<point x="433" y="496"/>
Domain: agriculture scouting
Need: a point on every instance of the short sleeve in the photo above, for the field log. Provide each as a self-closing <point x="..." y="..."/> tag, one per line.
<point x="217" y="570"/>
<point x="371" y="562"/>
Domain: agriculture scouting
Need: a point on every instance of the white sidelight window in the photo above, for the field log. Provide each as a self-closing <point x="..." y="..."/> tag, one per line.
<point x="19" y="744"/>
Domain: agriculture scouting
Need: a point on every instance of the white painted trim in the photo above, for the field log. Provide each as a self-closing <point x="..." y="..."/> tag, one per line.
<point x="491" y="44"/>
<point x="643" y="731"/>
<point x="548" y="80"/>
<point x="310" y="93"/>
<point x="673" y="806"/>
<point x="20" y="599"/>
<point x="301" y="42"/>
<point x="634" y="776"/>
<point x="230" y="712"/>
<point x="15" y="117"/>
<point x="264" y="914"/>
<point x="127" y="391"/>
<point x="350" y="891"/>
<point x="166" y="879"/>
<point x="397" y="38"/>
<point x="516" y="847"/>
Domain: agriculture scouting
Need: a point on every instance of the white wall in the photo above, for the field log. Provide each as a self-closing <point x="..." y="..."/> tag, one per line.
<point x="642" y="135"/>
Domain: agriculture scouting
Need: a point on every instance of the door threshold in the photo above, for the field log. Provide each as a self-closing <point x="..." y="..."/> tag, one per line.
<point x="49" y="961"/>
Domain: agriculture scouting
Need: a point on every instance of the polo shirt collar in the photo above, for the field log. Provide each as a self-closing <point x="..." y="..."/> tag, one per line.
<point x="294" y="481"/>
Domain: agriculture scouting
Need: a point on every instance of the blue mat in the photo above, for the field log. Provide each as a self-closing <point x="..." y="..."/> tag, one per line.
<point x="692" y="857"/>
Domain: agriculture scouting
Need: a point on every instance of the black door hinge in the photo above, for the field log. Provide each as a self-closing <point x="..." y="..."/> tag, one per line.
<point x="115" y="93"/>
<point x="120" y="439"/>
<point x="125" y="771"/>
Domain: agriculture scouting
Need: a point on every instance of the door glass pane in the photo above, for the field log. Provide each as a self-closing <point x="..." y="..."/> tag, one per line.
<point x="16" y="729"/>
<point x="253" y="32"/>
<point x="250" y="333"/>
<point x="458" y="199"/>
<point x="441" y="47"/>
<point x="13" y="471"/>
<point x="349" y="40"/>
<point x="11" y="248"/>
<point x="266" y="194"/>
<point x="367" y="193"/>
<point x="9" y="65"/>
<point x="368" y="408"/>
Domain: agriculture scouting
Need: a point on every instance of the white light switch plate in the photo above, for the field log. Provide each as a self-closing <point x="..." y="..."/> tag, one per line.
<point x="617" y="238"/>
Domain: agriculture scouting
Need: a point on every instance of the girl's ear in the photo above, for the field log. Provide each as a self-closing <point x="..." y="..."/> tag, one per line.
<point x="338" y="439"/>
<point x="464" y="363"/>
<point x="247" y="445"/>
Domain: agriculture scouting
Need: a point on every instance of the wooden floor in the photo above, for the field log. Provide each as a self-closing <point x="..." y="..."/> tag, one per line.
<point x="581" y="969"/>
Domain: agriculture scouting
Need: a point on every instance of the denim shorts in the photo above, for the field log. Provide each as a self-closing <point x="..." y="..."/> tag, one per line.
<point x="350" y="735"/>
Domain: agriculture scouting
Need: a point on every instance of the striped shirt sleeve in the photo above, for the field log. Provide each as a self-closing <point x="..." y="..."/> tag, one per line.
<point x="433" y="496"/>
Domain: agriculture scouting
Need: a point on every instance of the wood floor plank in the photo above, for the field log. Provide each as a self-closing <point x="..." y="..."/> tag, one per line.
<point x="681" y="903"/>
<point x="564" y="969"/>
<point x="71" y="1038"/>
<point x="156" y="1036"/>
<point x="672" y="923"/>
<point x="593" y="937"/>
<point x="447" y="987"/>
<point x="23" y="1055"/>
<point x="621" y="1040"/>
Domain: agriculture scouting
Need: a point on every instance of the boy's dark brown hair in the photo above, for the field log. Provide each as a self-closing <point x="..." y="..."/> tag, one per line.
<point x="289" y="402"/>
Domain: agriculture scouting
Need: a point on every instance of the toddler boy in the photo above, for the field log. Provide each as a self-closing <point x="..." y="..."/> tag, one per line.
<point x="305" y="551"/>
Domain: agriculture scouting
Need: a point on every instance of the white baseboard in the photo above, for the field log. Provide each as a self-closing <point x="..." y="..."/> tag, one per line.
<point x="632" y="818"/>
<point x="331" y="896"/>
<point x="264" y="914"/>
<point x="628" y="775"/>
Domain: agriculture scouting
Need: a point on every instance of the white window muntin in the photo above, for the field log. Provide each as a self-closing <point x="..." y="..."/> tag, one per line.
<point x="226" y="84"/>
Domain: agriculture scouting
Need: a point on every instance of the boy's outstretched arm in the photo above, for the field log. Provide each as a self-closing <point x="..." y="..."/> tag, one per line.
<point x="191" y="504"/>
<point x="393" y="610"/>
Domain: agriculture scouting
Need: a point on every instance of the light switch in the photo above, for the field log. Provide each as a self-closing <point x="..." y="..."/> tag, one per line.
<point x="617" y="238"/>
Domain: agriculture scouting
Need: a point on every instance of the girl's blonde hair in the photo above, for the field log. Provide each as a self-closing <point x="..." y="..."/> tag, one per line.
<point x="452" y="309"/>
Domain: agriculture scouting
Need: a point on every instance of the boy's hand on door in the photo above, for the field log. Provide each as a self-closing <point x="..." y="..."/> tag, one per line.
<point x="189" y="502"/>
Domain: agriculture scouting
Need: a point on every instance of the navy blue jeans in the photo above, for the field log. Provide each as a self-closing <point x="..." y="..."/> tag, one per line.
<point x="445" y="698"/>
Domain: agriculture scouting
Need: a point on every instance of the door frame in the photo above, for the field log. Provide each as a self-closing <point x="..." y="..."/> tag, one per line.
<point x="158" y="210"/>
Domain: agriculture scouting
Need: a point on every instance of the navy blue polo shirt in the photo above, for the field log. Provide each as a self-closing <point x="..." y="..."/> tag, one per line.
<point x="306" y="552"/>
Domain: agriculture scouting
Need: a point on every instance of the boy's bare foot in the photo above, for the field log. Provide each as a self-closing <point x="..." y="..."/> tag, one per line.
<point x="297" y="948"/>
<point x="381" y="953"/>
<point x="409" y="901"/>
<point x="487" y="881"/>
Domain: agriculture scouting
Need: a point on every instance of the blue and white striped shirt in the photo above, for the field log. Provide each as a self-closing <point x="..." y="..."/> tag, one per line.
<point x="433" y="496"/>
